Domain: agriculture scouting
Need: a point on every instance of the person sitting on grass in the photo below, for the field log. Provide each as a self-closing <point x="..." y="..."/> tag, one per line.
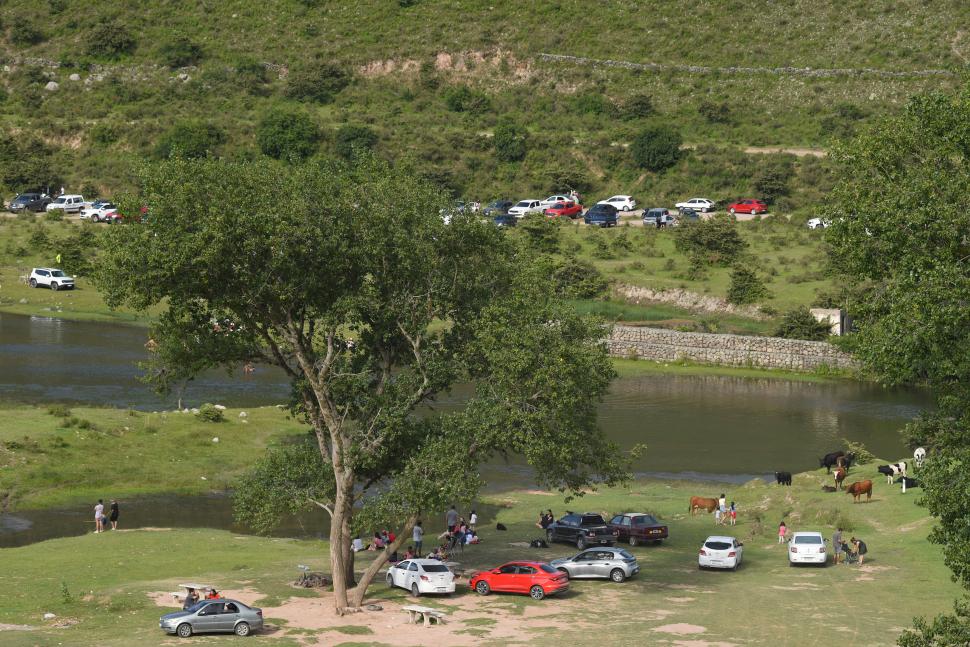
<point x="409" y="553"/>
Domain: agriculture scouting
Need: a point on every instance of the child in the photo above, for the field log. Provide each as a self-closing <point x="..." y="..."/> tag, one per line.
<point x="782" y="531"/>
<point x="717" y="516"/>
<point x="734" y="514"/>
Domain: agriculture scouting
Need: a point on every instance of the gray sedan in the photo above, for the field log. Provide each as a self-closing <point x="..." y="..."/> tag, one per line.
<point x="614" y="563"/>
<point x="213" y="616"/>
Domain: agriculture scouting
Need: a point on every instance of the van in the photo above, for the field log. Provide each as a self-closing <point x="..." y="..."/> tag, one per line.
<point x="67" y="203"/>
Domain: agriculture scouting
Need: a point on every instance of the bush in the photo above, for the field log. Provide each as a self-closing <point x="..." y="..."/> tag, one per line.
<point x="578" y="279"/>
<point x="209" y="413"/>
<point x="510" y="142"/>
<point x="746" y="287"/>
<point x="799" y="323"/>
<point x="772" y="180"/>
<point x="59" y="411"/>
<point x="714" y="242"/>
<point x="317" y="81"/>
<point x="24" y="34"/>
<point x="104" y="133"/>
<point x="251" y="76"/>
<point x="39" y="241"/>
<point x="110" y="39"/>
<point x="350" y="138"/>
<point x="656" y="148"/>
<point x="862" y="455"/>
<point x="461" y="98"/>
<point x="287" y="134"/>
<point x="541" y="233"/>
<point x="180" y="52"/>
<point x="191" y="139"/>
<point x="638" y="106"/>
<point x="592" y="103"/>
<point x="715" y="113"/>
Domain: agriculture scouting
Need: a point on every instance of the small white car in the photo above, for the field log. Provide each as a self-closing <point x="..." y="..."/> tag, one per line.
<point x="522" y="207"/>
<point x="421" y="576"/>
<point x="98" y="212"/>
<point x="701" y="205"/>
<point x="553" y="199"/>
<point x="50" y="277"/>
<point x="720" y="552"/>
<point x="817" y="223"/>
<point x="621" y="202"/>
<point x="67" y="203"/>
<point x="807" y="548"/>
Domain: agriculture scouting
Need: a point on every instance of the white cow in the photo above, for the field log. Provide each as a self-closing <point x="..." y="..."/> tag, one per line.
<point x="919" y="456"/>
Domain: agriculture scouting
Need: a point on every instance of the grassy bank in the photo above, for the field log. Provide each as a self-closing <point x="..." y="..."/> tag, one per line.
<point x="102" y="582"/>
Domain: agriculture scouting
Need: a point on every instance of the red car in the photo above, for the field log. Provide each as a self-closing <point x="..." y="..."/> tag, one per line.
<point x="754" y="207"/>
<point x="564" y="209"/>
<point x="536" y="579"/>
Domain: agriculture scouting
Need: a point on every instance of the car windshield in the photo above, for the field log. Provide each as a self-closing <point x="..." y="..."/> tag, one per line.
<point x="59" y="200"/>
<point x="57" y="273"/>
<point x="559" y="205"/>
<point x="434" y="568"/>
<point x="593" y="519"/>
<point x="717" y="545"/>
<point x="198" y="605"/>
<point x="808" y="539"/>
<point x="545" y="568"/>
<point x="645" y="520"/>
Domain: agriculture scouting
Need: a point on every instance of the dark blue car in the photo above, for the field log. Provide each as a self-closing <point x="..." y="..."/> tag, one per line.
<point x="602" y="215"/>
<point x="505" y="220"/>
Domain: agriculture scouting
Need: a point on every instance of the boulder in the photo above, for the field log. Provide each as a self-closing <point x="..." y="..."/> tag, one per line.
<point x="51" y="86"/>
<point x="75" y="77"/>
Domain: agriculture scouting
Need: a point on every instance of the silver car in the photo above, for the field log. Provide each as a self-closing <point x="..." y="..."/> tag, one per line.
<point x="614" y="563"/>
<point x="213" y="616"/>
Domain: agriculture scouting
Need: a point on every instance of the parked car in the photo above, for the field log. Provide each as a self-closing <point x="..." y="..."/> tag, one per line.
<point x="620" y="202"/>
<point x="505" y="220"/>
<point x="614" y="563"/>
<point x="686" y="214"/>
<point x="720" y="552"/>
<point x="35" y="202"/>
<point x="213" y="616"/>
<point x="497" y="207"/>
<point x="98" y="211"/>
<point x="807" y="548"/>
<point x="553" y="199"/>
<point x="603" y="215"/>
<point x="50" y="277"/>
<point x="817" y="223"/>
<point x="523" y="207"/>
<point x="67" y="203"/>
<point x="567" y="209"/>
<point x="667" y="219"/>
<point x="637" y="528"/>
<point x="754" y="207"/>
<point x="587" y="529"/>
<point x="421" y="576"/>
<point x="701" y="205"/>
<point x="536" y="579"/>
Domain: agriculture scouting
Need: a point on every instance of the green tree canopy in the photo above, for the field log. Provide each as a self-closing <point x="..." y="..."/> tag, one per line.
<point x="287" y="135"/>
<point x="656" y="148"/>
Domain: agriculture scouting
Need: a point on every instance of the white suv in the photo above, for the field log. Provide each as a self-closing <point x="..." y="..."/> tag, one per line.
<point x="523" y="207"/>
<point x="807" y="548"/>
<point x="69" y="203"/>
<point x="52" y="278"/>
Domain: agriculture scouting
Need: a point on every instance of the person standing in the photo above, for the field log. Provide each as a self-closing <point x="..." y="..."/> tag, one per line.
<point x="734" y="514"/>
<point x="473" y="520"/>
<point x="837" y="544"/>
<point x="451" y="518"/>
<point x="99" y="516"/>
<point x="418" y="537"/>
<point x="782" y="532"/>
<point x="717" y="516"/>
<point x="113" y="517"/>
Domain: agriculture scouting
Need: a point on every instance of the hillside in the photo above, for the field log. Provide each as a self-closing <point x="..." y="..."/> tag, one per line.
<point x="434" y="79"/>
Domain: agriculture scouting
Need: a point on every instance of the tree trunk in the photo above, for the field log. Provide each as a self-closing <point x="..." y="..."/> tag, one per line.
<point x="356" y="596"/>
<point x="341" y="558"/>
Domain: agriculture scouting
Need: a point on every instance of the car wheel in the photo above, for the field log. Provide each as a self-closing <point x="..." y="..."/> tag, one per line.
<point x="482" y="588"/>
<point x="733" y="212"/>
<point x="617" y="575"/>
<point x="581" y="543"/>
<point x="415" y="591"/>
<point x="626" y="208"/>
<point x="390" y="581"/>
<point x="700" y="567"/>
<point x="33" y="283"/>
<point x="184" y="630"/>
<point x="634" y="541"/>
<point x="96" y="218"/>
<point x="792" y="564"/>
<point x="537" y="593"/>
<point x="754" y="212"/>
<point x="657" y="542"/>
<point x="242" y="629"/>
<point x="54" y="286"/>
<point x="563" y="571"/>
<point x="735" y="567"/>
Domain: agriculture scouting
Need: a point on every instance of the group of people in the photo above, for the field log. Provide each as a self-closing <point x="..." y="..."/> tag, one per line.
<point x="379" y="541"/>
<point x="192" y="597"/>
<point x="545" y="519"/>
<point x="101" y="520"/>
<point x="458" y="534"/>
<point x="854" y="550"/>
<point x="725" y="514"/>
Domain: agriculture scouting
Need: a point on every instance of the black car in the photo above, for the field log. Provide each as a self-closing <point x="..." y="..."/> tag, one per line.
<point x="498" y="207"/>
<point x="505" y="220"/>
<point x="603" y="215"/>
<point x="686" y="213"/>
<point x="586" y="529"/>
<point x="36" y="202"/>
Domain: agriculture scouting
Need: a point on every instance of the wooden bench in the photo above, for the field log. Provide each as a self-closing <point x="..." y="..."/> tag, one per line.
<point x="427" y="614"/>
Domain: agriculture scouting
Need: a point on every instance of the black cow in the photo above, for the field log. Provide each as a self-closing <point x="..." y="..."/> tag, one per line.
<point x="846" y="461"/>
<point x="830" y="460"/>
<point x="783" y="478"/>
<point x="910" y="482"/>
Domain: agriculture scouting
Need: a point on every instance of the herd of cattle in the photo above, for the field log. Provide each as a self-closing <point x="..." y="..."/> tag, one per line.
<point x="842" y="461"/>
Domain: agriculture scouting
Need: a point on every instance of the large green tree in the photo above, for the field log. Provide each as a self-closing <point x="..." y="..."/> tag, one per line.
<point x="901" y="233"/>
<point x="347" y="279"/>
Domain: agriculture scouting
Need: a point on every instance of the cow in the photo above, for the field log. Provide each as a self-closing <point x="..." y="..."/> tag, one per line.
<point x="908" y="481"/>
<point x="845" y="461"/>
<point x="828" y="488"/>
<point x="830" y="460"/>
<point x="919" y="456"/>
<point x="839" y="477"/>
<point x="859" y="488"/>
<point x="783" y="478"/>
<point x="698" y="502"/>
<point x="892" y="471"/>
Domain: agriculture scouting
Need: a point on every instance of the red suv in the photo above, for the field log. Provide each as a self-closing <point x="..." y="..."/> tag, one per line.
<point x="536" y="579"/>
<point x="564" y="209"/>
<point x="754" y="207"/>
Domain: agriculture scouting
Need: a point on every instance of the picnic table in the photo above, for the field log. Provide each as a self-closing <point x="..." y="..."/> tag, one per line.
<point x="427" y="614"/>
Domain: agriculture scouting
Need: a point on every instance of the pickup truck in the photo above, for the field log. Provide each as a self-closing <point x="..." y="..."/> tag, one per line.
<point x="638" y="528"/>
<point x="586" y="529"/>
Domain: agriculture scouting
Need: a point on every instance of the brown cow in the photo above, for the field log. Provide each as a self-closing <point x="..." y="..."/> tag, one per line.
<point x="698" y="502"/>
<point x="839" y="477"/>
<point x="859" y="488"/>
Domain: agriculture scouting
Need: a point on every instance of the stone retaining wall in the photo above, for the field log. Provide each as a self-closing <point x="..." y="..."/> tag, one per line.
<point x="726" y="350"/>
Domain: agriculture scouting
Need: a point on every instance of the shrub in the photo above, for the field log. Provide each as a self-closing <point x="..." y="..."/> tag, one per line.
<point x="39" y="241"/>
<point x="191" y="139"/>
<point x="799" y="323"/>
<point x="287" y="134"/>
<point x="714" y="242"/>
<point x="251" y="76"/>
<point x="715" y="113"/>
<point x="772" y="180"/>
<point x="24" y="33"/>
<point x="541" y="233"/>
<point x="209" y="413"/>
<point x="317" y="81"/>
<point x="104" y="134"/>
<point x="59" y="411"/>
<point x="111" y="39"/>
<point x="180" y="52"/>
<point x="656" y="148"/>
<point x="510" y="142"/>
<point x="592" y="103"/>
<point x="862" y="455"/>
<point x="461" y="98"/>
<point x="54" y="216"/>
<point x="351" y="138"/>
<point x="746" y="287"/>
<point x="578" y="279"/>
<point x="638" y="106"/>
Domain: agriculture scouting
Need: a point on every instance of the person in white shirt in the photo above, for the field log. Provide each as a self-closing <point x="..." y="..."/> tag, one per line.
<point x="99" y="516"/>
<point x="473" y="520"/>
<point x="357" y="544"/>
<point x="418" y="537"/>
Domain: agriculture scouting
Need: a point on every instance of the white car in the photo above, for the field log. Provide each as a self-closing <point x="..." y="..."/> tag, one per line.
<point x="807" y="548"/>
<point x="68" y="203"/>
<point x="553" y="199"/>
<point x="98" y="211"/>
<point x="522" y="207"/>
<point x="621" y="202"/>
<point x="701" y="205"/>
<point x="817" y="223"/>
<point x="720" y="552"/>
<point x="421" y="576"/>
<point x="50" y="277"/>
